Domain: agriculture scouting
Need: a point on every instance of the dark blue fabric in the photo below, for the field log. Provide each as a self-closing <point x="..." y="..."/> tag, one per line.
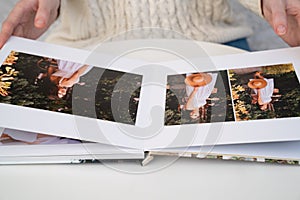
<point x="240" y="43"/>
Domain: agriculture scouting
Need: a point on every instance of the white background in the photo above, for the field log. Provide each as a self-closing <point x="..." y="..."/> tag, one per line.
<point x="186" y="179"/>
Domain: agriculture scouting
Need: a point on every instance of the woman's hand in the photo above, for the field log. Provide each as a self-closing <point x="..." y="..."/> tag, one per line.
<point x="284" y="17"/>
<point x="29" y="19"/>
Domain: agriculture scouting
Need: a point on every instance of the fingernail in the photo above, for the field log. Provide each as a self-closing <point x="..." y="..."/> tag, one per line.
<point x="39" y="23"/>
<point x="281" y="30"/>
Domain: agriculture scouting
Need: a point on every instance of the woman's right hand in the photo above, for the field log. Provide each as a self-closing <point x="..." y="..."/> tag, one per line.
<point x="29" y="19"/>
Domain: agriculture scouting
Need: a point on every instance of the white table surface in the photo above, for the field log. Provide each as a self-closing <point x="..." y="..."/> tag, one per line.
<point x="183" y="179"/>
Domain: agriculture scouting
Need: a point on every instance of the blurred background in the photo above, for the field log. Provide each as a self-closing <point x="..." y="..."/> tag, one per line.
<point x="262" y="39"/>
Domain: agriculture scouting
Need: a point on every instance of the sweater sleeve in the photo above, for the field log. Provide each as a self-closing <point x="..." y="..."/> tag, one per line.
<point x="253" y="5"/>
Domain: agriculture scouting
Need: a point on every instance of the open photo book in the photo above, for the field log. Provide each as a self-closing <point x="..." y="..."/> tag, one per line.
<point x="101" y="104"/>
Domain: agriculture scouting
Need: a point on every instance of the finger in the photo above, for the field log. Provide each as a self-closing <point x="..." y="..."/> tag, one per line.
<point x="6" y="32"/>
<point x="279" y="17"/>
<point x="42" y="15"/>
<point x="10" y="24"/>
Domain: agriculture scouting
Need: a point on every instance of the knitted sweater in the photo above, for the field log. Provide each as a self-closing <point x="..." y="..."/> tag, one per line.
<point x="85" y="23"/>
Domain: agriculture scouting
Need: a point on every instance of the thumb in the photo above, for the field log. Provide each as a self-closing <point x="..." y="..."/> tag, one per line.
<point x="42" y="14"/>
<point x="279" y="18"/>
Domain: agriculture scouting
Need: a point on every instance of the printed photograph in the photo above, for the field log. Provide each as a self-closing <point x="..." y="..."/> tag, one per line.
<point x="265" y="92"/>
<point x="198" y="98"/>
<point x="15" y="137"/>
<point x="68" y="87"/>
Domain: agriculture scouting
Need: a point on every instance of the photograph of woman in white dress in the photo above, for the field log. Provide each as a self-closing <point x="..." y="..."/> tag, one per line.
<point x="64" y="75"/>
<point x="68" y="87"/>
<point x="17" y="137"/>
<point x="202" y="97"/>
<point x="265" y="92"/>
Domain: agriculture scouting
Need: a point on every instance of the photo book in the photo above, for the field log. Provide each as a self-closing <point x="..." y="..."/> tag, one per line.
<point x="60" y="104"/>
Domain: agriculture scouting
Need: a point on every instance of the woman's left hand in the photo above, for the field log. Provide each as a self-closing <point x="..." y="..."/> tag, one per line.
<point x="284" y="17"/>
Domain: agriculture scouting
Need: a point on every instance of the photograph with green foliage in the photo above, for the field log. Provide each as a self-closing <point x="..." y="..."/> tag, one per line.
<point x="217" y="107"/>
<point x="71" y="88"/>
<point x="265" y="92"/>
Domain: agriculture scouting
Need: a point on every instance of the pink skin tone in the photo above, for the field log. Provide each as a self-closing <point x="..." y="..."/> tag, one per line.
<point x="66" y="83"/>
<point x="194" y="114"/>
<point x="31" y="18"/>
<point x="284" y="17"/>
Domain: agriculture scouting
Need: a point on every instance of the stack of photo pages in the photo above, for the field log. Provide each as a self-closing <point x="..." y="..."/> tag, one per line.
<point x="64" y="105"/>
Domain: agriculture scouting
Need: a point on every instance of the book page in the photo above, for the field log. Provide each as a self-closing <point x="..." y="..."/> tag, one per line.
<point x="21" y="147"/>
<point x="95" y="100"/>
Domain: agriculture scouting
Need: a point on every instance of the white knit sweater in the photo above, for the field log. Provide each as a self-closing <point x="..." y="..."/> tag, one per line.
<point x="85" y="23"/>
